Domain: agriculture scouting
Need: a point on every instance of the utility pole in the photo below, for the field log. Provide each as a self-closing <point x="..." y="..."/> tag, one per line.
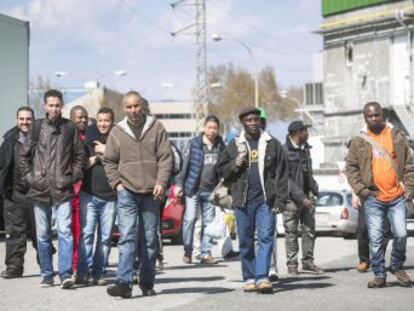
<point x="201" y="100"/>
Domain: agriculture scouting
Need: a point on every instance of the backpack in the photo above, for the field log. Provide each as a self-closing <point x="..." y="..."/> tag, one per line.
<point x="177" y="159"/>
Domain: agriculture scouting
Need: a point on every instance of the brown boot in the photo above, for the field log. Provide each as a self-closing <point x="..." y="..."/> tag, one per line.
<point x="249" y="288"/>
<point x="403" y="278"/>
<point x="293" y="270"/>
<point x="187" y="258"/>
<point x="377" y="282"/>
<point x="362" y="267"/>
<point x="208" y="260"/>
<point x="264" y="287"/>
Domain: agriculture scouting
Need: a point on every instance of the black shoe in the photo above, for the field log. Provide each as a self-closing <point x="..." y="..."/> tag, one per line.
<point x="12" y="273"/>
<point x="82" y="280"/>
<point x="311" y="268"/>
<point x="377" y="282"/>
<point x="47" y="281"/>
<point x="148" y="290"/>
<point x="273" y="277"/>
<point x="119" y="290"/>
<point x="231" y="254"/>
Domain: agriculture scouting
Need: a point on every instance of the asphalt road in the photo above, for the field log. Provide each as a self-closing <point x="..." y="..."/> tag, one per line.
<point x="218" y="287"/>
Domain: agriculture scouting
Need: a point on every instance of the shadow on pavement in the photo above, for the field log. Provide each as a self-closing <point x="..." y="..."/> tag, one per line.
<point x="283" y="287"/>
<point x="333" y="270"/>
<point x="194" y="266"/>
<point x="397" y="284"/>
<point x="190" y="279"/>
<point x="300" y="279"/>
<point x="197" y="290"/>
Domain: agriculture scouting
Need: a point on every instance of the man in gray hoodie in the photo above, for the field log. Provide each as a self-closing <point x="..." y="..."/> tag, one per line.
<point x="138" y="164"/>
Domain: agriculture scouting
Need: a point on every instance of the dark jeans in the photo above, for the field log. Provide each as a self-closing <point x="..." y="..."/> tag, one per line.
<point x="137" y="212"/>
<point x="362" y="236"/>
<point x="375" y="214"/>
<point x="255" y="264"/>
<point x="18" y="215"/>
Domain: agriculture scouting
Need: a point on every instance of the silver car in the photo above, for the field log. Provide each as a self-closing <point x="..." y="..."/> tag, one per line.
<point x="334" y="214"/>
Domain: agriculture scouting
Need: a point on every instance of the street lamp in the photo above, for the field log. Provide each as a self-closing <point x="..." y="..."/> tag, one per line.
<point x="301" y="109"/>
<point x="91" y="83"/>
<point x="217" y="38"/>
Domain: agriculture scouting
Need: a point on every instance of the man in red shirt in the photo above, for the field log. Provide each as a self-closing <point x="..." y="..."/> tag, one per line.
<point x="79" y="116"/>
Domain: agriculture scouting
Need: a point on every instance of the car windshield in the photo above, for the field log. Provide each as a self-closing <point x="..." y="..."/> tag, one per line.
<point x="329" y="199"/>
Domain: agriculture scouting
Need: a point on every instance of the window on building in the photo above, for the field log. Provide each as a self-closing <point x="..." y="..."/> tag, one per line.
<point x="313" y="94"/>
<point x="349" y="53"/>
<point x="180" y="134"/>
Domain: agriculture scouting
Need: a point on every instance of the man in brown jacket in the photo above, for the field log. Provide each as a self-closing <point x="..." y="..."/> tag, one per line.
<point x="380" y="171"/>
<point x="138" y="165"/>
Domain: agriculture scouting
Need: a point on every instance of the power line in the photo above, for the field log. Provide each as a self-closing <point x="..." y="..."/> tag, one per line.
<point x="168" y="32"/>
<point x="227" y="34"/>
<point x="144" y="18"/>
<point x="259" y="31"/>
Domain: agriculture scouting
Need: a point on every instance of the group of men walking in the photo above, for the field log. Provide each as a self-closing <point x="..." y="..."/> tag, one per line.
<point x="89" y="175"/>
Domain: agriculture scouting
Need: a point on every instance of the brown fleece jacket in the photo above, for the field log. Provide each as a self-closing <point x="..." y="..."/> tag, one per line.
<point x="141" y="164"/>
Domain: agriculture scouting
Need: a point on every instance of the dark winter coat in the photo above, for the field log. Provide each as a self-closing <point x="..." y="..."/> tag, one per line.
<point x="51" y="160"/>
<point x="272" y="169"/>
<point x="296" y="176"/>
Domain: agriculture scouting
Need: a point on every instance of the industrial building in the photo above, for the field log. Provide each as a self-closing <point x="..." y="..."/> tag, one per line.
<point x="367" y="56"/>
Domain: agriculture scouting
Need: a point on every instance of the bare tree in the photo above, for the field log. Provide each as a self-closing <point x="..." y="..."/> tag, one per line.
<point x="236" y="90"/>
<point x="37" y="88"/>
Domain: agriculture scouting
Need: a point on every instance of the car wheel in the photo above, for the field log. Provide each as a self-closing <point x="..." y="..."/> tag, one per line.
<point x="178" y="239"/>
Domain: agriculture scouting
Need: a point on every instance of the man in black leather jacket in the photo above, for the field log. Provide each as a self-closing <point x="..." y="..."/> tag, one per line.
<point x="253" y="165"/>
<point x="300" y="208"/>
<point x="18" y="209"/>
<point x="51" y="161"/>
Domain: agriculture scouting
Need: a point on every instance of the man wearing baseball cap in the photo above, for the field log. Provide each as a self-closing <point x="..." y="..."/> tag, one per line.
<point x="253" y="165"/>
<point x="300" y="208"/>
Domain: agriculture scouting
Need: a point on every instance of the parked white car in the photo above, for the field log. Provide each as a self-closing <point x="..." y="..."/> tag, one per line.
<point x="334" y="214"/>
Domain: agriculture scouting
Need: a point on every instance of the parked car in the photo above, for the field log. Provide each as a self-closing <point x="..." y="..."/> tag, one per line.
<point x="334" y="214"/>
<point x="172" y="218"/>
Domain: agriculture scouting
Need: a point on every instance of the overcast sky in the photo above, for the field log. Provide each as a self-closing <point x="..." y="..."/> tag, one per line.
<point x="92" y="38"/>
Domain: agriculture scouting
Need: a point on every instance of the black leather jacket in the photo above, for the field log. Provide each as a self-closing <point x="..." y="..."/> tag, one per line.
<point x="7" y="154"/>
<point x="296" y="176"/>
<point x="51" y="160"/>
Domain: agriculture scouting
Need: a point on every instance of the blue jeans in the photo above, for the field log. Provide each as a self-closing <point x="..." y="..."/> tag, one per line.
<point x="43" y="217"/>
<point x="137" y="212"/>
<point x="375" y="214"/>
<point x="207" y="213"/>
<point x="255" y="266"/>
<point x="96" y="214"/>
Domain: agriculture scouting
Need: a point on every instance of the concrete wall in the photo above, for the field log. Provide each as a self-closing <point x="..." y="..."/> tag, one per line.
<point x="348" y="86"/>
<point x="14" y="69"/>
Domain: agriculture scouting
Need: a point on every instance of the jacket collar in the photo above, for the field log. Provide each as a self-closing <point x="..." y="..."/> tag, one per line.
<point x="364" y="129"/>
<point x="123" y="124"/>
<point x="263" y="135"/>
<point x="11" y="133"/>
<point x="291" y="146"/>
